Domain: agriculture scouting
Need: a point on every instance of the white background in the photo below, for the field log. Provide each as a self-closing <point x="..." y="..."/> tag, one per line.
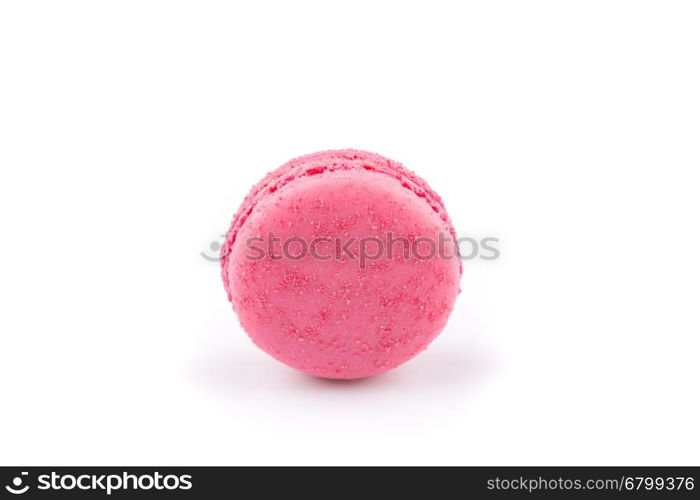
<point x="130" y="131"/>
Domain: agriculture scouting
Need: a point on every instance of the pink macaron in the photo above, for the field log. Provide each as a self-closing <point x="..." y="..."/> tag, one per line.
<point x="342" y="264"/>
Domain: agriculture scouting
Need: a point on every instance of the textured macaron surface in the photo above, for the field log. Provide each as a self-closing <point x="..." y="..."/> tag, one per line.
<point x="341" y="264"/>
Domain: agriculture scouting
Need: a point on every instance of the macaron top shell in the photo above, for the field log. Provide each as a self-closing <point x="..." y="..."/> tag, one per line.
<point x="350" y="306"/>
